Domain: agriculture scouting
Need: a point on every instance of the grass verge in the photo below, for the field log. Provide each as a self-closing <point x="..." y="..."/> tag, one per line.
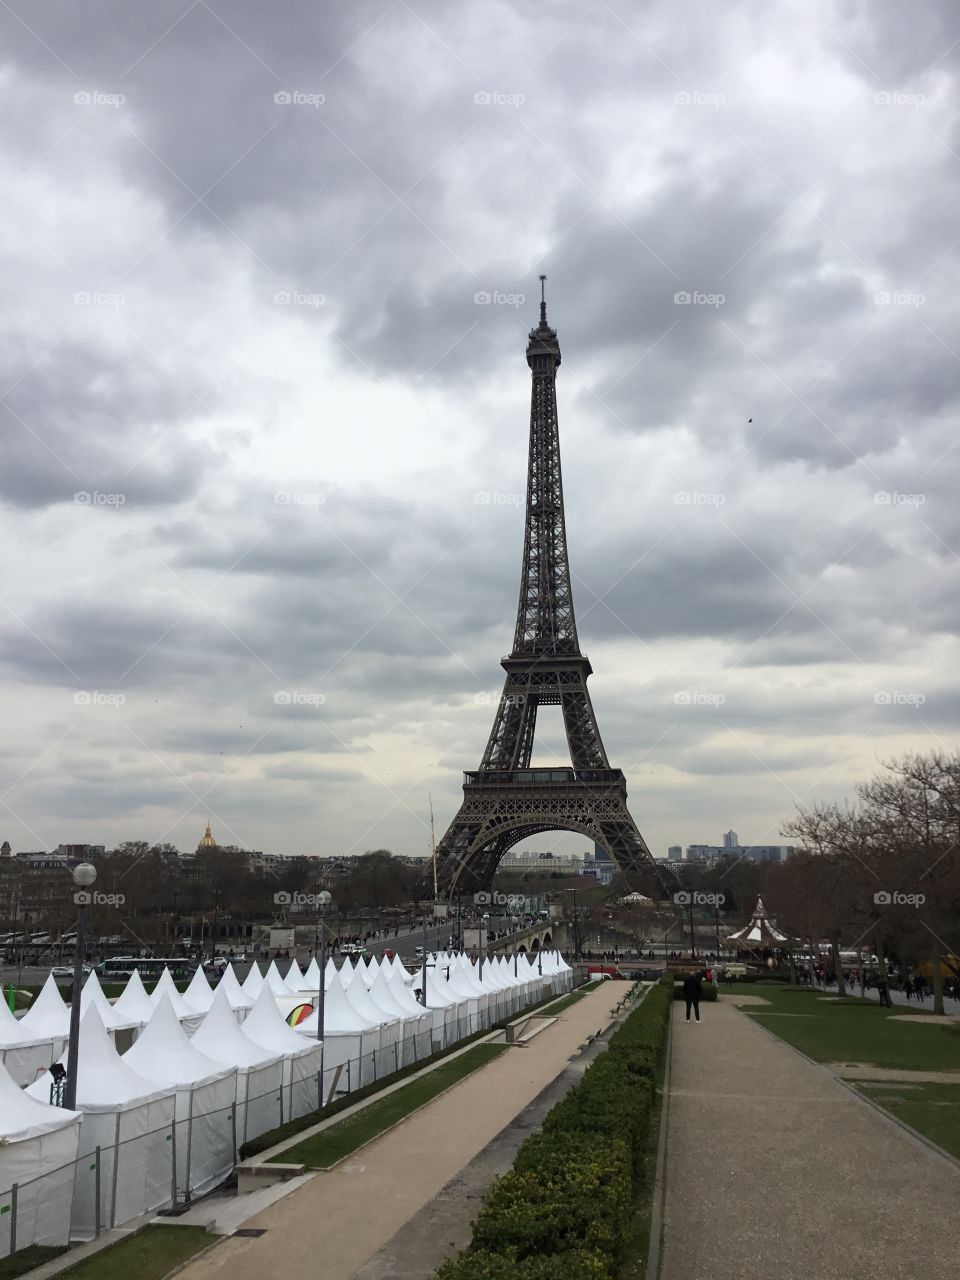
<point x="932" y="1109"/>
<point x="35" y="1255"/>
<point x="326" y="1148"/>
<point x="855" y="1030"/>
<point x="148" y="1255"/>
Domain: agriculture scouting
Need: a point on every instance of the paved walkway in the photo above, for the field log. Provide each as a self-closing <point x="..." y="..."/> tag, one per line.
<point x="339" y="1219"/>
<point x="774" y="1168"/>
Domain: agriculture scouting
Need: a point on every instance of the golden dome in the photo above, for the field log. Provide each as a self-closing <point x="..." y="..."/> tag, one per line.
<point x="207" y="840"/>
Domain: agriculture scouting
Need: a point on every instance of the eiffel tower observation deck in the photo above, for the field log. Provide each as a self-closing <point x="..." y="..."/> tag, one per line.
<point x="506" y="799"/>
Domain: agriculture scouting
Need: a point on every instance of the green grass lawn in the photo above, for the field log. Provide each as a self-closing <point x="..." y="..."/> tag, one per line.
<point x="326" y="1148"/>
<point x="148" y="1255"/>
<point x="855" y="1030"/>
<point x="35" y="1255"/>
<point x="931" y="1109"/>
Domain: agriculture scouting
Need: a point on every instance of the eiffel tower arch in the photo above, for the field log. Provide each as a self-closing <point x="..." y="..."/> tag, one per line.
<point x="506" y="800"/>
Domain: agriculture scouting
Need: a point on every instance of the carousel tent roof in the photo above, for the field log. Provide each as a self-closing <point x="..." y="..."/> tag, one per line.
<point x="758" y="933"/>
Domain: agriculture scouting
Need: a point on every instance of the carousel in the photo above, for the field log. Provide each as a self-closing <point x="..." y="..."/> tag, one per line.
<point x="760" y="935"/>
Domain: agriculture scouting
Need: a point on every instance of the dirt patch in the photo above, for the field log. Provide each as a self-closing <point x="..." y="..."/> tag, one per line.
<point x="866" y="1071"/>
<point x="938" y="1019"/>
<point x="742" y="999"/>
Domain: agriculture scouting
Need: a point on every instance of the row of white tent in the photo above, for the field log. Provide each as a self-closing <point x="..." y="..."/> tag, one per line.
<point x="169" y="1086"/>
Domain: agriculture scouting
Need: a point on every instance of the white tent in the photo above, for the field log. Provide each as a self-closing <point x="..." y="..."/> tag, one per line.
<point x="266" y="1027"/>
<point x="259" y="1071"/>
<point x="48" y="1016"/>
<point x="186" y="1013"/>
<point x="252" y="983"/>
<point x="130" y="1120"/>
<point x="311" y="979"/>
<point x="112" y="1018"/>
<point x="23" y="1052"/>
<point x="387" y="1058"/>
<point x="199" y="993"/>
<point x="206" y="1099"/>
<point x="415" y="1024"/>
<point x="240" y="1002"/>
<point x="38" y="1149"/>
<point x="134" y="1002"/>
<point x="350" y="1041"/>
<point x="275" y="982"/>
<point x="294" y="978"/>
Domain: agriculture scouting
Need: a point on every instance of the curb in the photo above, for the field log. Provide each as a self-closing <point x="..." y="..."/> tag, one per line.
<point x="660" y="1175"/>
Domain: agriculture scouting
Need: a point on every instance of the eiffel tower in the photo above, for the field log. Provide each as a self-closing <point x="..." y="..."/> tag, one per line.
<point x="505" y="799"/>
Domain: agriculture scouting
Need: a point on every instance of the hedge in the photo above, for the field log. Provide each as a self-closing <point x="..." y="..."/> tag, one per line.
<point x="566" y="1207"/>
<point x="708" y="992"/>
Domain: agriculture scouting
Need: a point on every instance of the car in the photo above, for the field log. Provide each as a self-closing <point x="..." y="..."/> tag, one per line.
<point x="419" y="953"/>
<point x="66" y="970"/>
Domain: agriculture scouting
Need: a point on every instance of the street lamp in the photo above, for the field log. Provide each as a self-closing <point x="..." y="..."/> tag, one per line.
<point x="323" y="901"/>
<point x="84" y="876"/>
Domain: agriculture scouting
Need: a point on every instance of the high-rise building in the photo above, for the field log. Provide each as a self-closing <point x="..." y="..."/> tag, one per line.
<point x="731" y="840"/>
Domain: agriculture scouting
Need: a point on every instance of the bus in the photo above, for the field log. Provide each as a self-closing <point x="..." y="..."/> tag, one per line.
<point x="150" y="968"/>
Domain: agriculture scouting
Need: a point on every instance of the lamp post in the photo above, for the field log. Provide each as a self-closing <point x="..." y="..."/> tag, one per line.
<point x="323" y="901"/>
<point x="576" y="926"/>
<point x="84" y="876"/>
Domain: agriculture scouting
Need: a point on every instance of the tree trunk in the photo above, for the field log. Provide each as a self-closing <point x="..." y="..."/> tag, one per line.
<point x="937" y="983"/>
<point x="837" y="966"/>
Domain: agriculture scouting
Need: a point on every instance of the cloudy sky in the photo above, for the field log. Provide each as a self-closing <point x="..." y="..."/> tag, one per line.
<point x="268" y="276"/>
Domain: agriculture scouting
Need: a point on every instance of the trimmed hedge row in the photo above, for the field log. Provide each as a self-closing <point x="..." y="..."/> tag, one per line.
<point x="566" y="1207"/>
<point x="708" y="992"/>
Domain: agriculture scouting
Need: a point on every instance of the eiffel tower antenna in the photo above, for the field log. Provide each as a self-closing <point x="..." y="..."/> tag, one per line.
<point x="506" y="799"/>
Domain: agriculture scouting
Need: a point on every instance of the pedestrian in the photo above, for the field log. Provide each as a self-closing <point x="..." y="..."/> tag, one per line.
<point x="883" y="990"/>
<point x="692" y="989"/>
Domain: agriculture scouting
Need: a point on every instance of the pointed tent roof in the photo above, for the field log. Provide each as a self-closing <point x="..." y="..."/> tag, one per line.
<point x="339" y="1016"/>
<point x="167" y="987"/>
<point x="359" y="997"/>
<point x="48" y="1015"/>
<point x="267" y="1027"/>
<point x="12" y="1030"/>
<point x="199" y="994"/>
<point x="759" y="933"/>
<point x="134" y="1001"/>
<point x="221" y="1037"/>
<point x="23" y="1117"/>
<point x="105" y="1082"/>
<point x="311" y="978"/>
<point x="235" y="993"/>
<point x="252" y="983"/>
<point x="275" y="982"/>
<point x="294" y="977"/>
<point x="163" y="1053"/>
<point x="113" y="1019"/>
<point x="382" y="997"/>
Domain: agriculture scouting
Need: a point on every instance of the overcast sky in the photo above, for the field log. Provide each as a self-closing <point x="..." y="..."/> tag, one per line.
<point x="264" y="439"/>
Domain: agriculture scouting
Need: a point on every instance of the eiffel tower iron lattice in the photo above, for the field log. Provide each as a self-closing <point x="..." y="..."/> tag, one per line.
<point x="506" y="799"/>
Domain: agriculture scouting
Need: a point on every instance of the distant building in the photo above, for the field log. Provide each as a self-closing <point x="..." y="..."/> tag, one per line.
<point x="704" y="853"/>
<point x="674" y="853"/>
<point x="731" y="840"/>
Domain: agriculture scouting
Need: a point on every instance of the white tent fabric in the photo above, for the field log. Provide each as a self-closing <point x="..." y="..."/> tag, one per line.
<point x="294" y="977"/>
<point x="240" y="1002"/>
<point x="199" y="993"/>
<point x="311" y="979"/>
<point x="23" y="1052"/>
<point x="186" y="1013"/>
<point x="275" y="982"/>
<point x="206" y="1099"/>
<point x="38" y="1149"/>
<point x="252" y="983"/>
<point x="130" y="1120"/>
<point x="134" y="1002"/>
<point x="48" y="1016"/>
<point x="266" y="1027"/>
<point x="388" y="1053"/>
<point x="112" y="1018"/>
<point x="259" y="1071"/>
<point x="350" y="1041"/>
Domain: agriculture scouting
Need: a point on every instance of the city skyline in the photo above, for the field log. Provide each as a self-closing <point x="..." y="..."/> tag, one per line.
<point x="265" y="446"/>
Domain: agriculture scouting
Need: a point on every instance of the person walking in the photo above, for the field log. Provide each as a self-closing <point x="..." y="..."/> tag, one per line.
<point x="692" y="990"/>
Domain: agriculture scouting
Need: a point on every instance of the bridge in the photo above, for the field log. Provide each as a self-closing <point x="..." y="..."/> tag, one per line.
<point x="549" y="934"/>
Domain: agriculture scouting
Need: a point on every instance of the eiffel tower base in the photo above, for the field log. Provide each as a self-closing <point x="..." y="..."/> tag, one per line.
<point x="501" y="808"/>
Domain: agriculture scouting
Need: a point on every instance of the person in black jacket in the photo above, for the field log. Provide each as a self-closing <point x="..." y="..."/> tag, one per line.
<point x="692" y="988"/>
